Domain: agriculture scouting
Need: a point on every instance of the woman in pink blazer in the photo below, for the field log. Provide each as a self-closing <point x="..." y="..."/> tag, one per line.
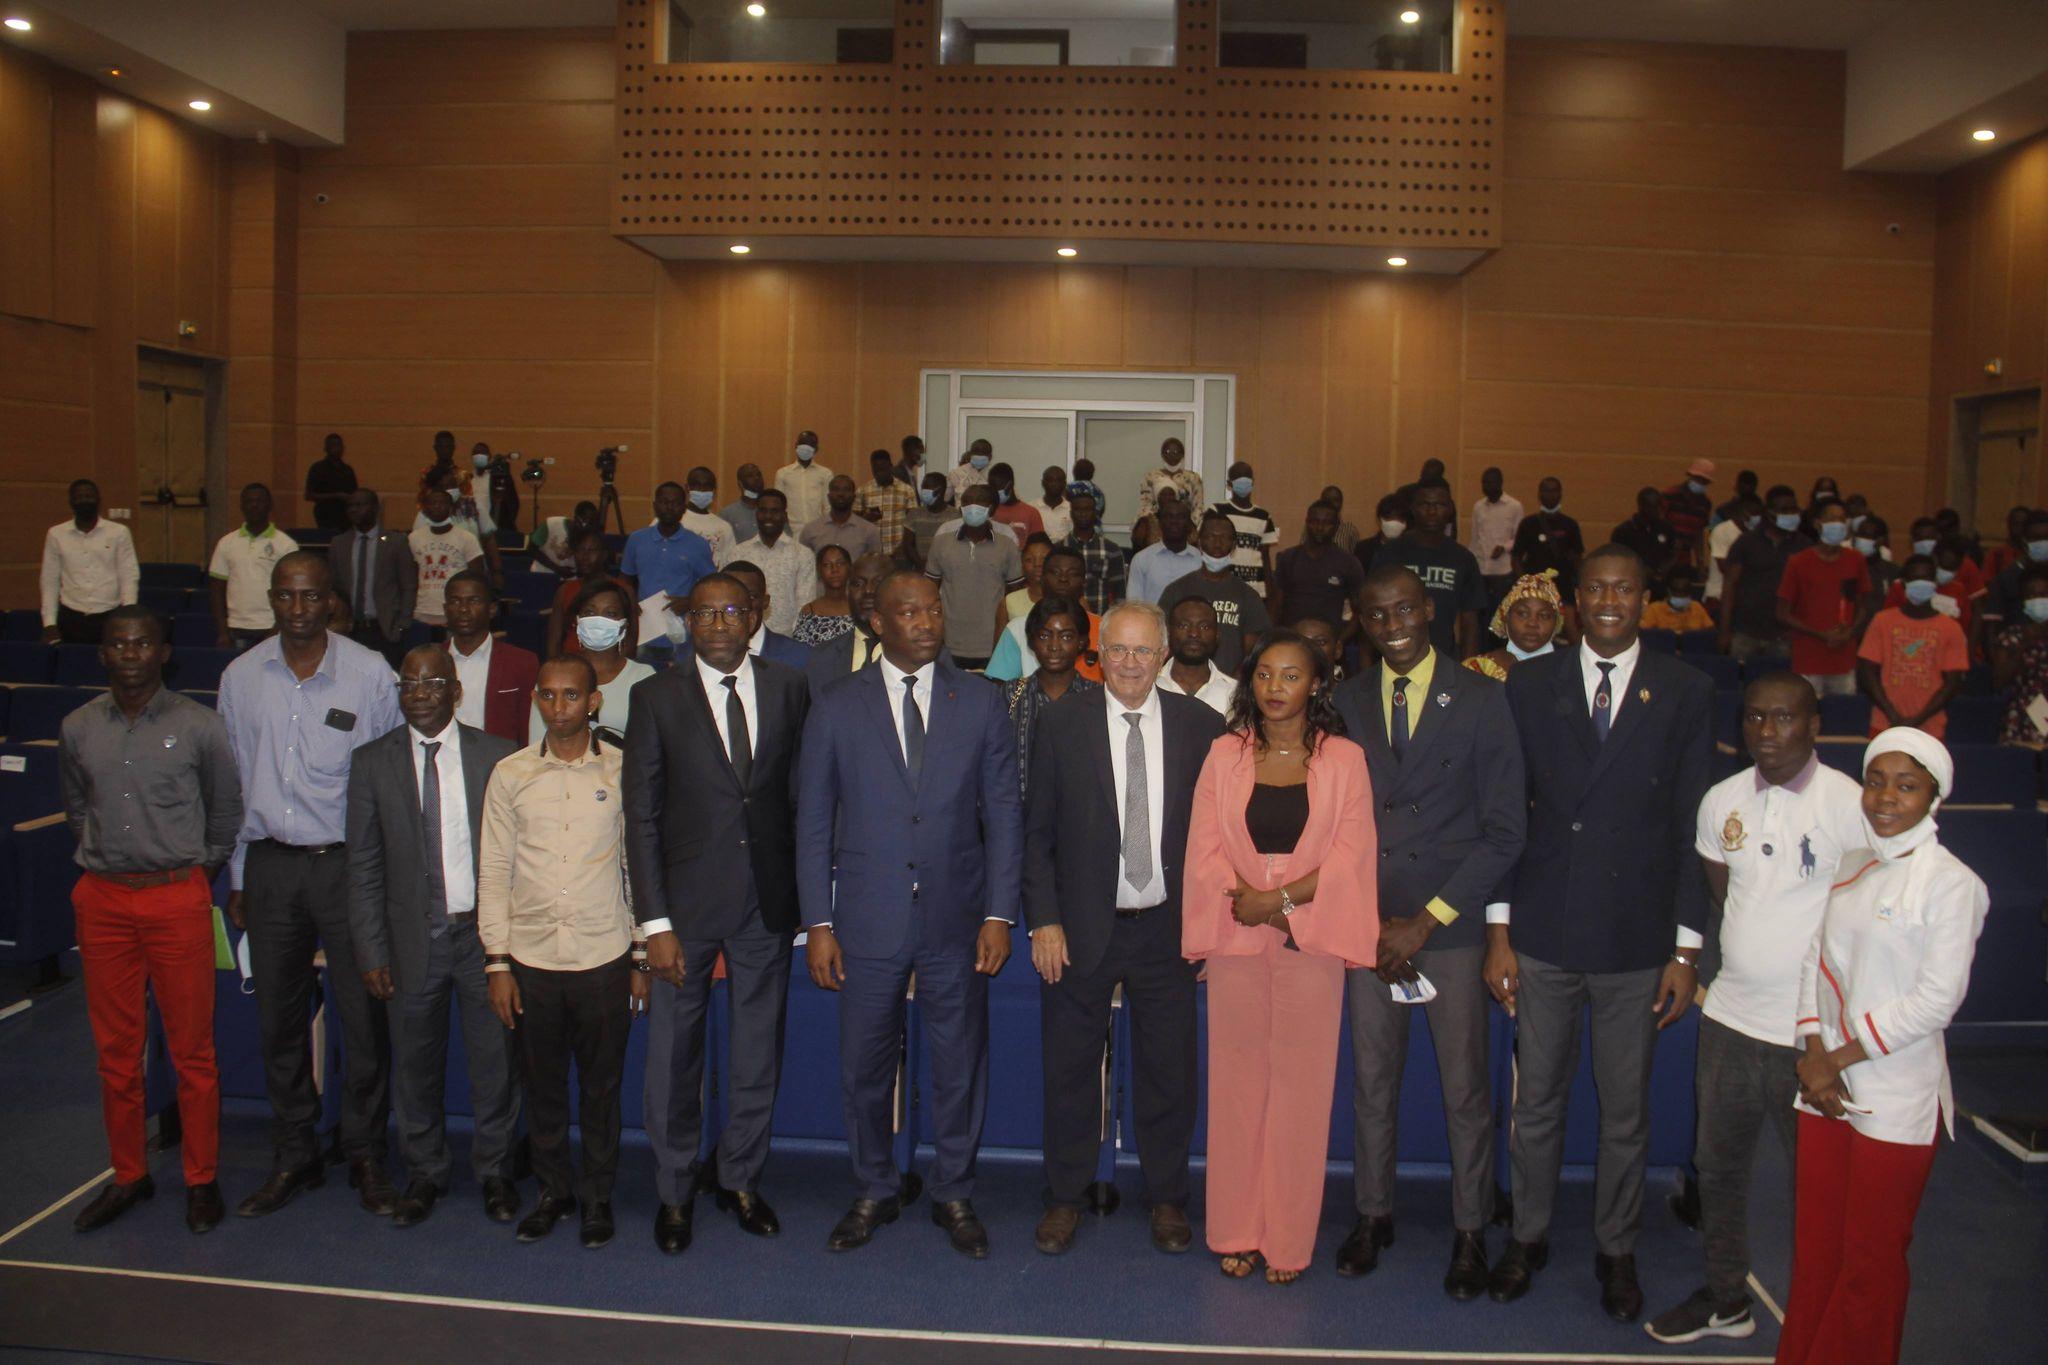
<point x="1280" y="896"/>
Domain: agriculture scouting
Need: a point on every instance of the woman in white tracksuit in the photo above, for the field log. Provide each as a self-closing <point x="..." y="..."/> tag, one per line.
<point x="1881" y="982"/>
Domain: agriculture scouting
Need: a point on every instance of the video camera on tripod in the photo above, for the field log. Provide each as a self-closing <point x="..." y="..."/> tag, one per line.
<point x="608" y="494"/>
<point x="608" y="463"/>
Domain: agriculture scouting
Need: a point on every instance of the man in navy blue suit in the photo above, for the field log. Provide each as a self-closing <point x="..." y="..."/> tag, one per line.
<point x="909" y="848"/>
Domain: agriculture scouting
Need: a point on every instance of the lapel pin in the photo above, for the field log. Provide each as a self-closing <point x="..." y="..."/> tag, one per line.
<point x="1443" y="699"/>
<point x="1643" y="696"/>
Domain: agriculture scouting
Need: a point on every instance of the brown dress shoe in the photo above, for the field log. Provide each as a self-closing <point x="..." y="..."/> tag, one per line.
<point x="1056" y="1230"/>
<point x="1171" y="1230"/>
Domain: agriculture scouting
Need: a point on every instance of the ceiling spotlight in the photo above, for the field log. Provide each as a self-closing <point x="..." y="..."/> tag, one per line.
<point x="1409" y="16"/>
<point x="1068" y="252"/>
<point x="1397" y="261"/>
<point x="20" y="25"/>
<point x="758" y="11"/>
<point x="1984" y="135"/>
<point x="202" y="105"/>
<point x="739" y="248"/>
<point x="114" y="71"/>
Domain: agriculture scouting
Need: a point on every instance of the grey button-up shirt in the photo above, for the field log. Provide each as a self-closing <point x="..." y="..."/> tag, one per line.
<point x="129" y="787"/>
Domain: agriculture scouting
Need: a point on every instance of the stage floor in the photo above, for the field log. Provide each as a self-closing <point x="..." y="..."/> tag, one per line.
<point x="323" y="1280"/>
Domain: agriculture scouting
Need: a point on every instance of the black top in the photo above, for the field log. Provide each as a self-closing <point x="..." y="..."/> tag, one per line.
<point x="328" y="484"/>
<point x="1276" y="816"/>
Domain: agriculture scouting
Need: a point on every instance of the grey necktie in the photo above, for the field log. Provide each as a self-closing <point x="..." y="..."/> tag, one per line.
<point x="430" y="834"/>
<point x="1137" y="807"/>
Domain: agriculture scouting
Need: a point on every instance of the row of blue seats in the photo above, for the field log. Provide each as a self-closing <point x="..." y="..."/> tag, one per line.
<point x="35" y="714"/>
<point x="37" y="664"/>
<point x="1986" y="774"/>
<point x="1971" y="719"/>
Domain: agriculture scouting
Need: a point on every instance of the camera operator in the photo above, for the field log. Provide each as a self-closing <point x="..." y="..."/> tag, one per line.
<point x="553" y="541"/>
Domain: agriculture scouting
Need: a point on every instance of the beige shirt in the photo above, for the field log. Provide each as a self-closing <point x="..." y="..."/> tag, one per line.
<point x="551" y="871"/>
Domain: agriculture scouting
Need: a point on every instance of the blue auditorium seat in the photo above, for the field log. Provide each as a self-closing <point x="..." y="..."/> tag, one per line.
<point x="417" y="633"/>
<point x="535" y="593"/>
<point x="26" y="661"/>
<point x="1842" y="757"/>
<point x="1696" y="642"/>
<point x="194" y="669"/>
<point x="1975" y="719"/>
<point x="165" y="601"/>
<point x="35" y="713"/>
<point x="1845" y="715"/>
<point x="173" y="576"/>
<point x="194" y="628"/>
<point x="1728" y="718"/>
<point x="36" y="871"/>
<point x="2009" y="850"/>
<point x="80" y="666"/>
<point x="528" y="632"/>
<point x="1661" y="641"/>
<point x="22" y="624"/>
<point x="1993" y="774"/>
<point x="1726" y="672"/>
<point x="1763" y="665"/>
<point x="209" y="700"/>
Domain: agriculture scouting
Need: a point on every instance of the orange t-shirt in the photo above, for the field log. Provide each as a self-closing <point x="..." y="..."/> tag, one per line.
<point x="1911" y="656"/>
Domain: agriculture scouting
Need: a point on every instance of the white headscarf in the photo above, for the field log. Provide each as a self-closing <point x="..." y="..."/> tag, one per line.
<point x="1928" y="752"/>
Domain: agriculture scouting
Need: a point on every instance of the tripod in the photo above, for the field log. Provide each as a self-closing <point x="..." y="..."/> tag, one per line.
<point x="608" y="497"/>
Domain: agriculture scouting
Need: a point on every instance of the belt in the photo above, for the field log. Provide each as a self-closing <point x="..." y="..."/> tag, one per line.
<point x="303" y="848"/>
<point x="1122" y="913"/>
<point x="143" y="881"/>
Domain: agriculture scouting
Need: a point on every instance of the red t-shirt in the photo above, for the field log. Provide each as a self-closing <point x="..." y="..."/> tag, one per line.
<point x="1911" y="655"/>
<point x="1022" y="516"/>
<point x="1824" y="593"/>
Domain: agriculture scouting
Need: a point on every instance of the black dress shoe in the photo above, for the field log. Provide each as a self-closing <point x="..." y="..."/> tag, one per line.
<point x="274" y="1193"/>
<point x="551" y="1210"/>
<point x="672" y="1227"/>
<point x="1360" y="1254"/>
<point x="373" y="1186"/>
<point x="1466" y="1279"/>
<point x="751" y="1210"/>
<point x="968" y="1236"/>
<point x="416" y="1204"/>
<point x="113" y="1201"/>
<point x="597" y="1223"/>
<point x="857" y="1228"/>
<point x="203" y="1208"/>
<point x="1620" y="1294"/>
<point x="501" y="1199"/>
<point x="1511" y="1277"/>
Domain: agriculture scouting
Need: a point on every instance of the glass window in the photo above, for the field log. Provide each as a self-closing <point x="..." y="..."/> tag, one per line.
<point x="1336" y="35"/>
<point x="828" y="31"/>
<point x="1057" y="33"/>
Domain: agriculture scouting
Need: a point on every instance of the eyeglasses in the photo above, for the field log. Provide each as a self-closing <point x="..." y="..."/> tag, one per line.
<point x="1144" y="654"/>
<point x="431" y="686"/>
<point x="711" y="616"/>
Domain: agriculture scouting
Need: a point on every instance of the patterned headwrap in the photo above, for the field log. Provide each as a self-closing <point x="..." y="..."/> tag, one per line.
<point x="1541" y="586"/>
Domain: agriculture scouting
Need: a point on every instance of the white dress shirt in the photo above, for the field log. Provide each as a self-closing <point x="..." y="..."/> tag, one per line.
<point x="1151" y="734"/>
<point x="1216" y="693"/>
<point x="458" y="867"/>
<point x="88" y="571"/>
<point x="473" y="671"/>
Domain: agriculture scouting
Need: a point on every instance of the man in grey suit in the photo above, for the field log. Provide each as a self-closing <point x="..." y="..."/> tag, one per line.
<point x="1447" y="774"/>
<point x="415" y="805"/>
<point x="375" y="573"/>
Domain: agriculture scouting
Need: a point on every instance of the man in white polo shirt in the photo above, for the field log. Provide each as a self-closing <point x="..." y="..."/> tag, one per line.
<point x="240" y="572"/>
<point x="1770" y="837"/>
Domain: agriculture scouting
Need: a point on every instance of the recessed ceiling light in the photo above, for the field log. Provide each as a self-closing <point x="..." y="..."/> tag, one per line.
<point x="1409" y="16"/>
<point x="1068" y="251"/>
<point x="20" y="25"/>
<point x="739" y="248"/>
<point x="1397" y="261"/>
<point x="202" y="105"/>
<point x="758" y="11"/>
<point x="1984" y="135"/>
<point x="114" y="71"/>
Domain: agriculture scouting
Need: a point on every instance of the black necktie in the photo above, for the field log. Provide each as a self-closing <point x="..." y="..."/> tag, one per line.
<point x="736" y="743"/>
<point x="1397" y="729"/>
<point x="913" y="729"/>
<point x="430" y="830"/>
<point x="361" y="604"/>
<point x="1603" y="702"/>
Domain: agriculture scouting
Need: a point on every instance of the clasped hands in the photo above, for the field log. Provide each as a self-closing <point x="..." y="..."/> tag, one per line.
<point x="1820" y="1081"/>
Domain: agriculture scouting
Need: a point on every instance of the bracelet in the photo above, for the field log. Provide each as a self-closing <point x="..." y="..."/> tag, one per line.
<point x="1287" y="906"/>
<point x="1679" y="956"/>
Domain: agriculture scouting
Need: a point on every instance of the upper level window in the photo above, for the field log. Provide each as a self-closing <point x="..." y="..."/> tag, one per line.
<point x="1336" y="35"/>
<point x="1056" y="33"/>
<point x="781" y="30"/>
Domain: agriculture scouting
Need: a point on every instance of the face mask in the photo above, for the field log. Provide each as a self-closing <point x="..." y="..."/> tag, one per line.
<point x="1751" y="523"/>
<point x="2037" y="550"/>
<point x="1243" y="489"/>
<point x="927" y="496"/>
<point x="1944" y="575"/>
<point x="1834" y="532"/>
<point x="806" y="453"/>
<point x="1866" y="547"/>
<point x="974" y="514"/>
<point x="977" y="462"/>
<point x="1215" y="565"/>
<point x="599" y="632"/>
<point x="1920" y="591"/>
<point x="749" y="494"/>
<point x="700" y="499"/>
<point x="1786" y="521"/>
<point x="1003" y="495"/>
<point x="1551" y="509"/>
<point x="1678" y="603"/>
<point x="676" y="626"/>
<point x="1695" y="485"/>
<point x="1392" y="528"/>
<point x="1856" y="522"/>
<point x="1526" y="654"/>
<point x="1923" y="547"/>
<point x="480" y="461"/>
<point x="2036" y="609"/>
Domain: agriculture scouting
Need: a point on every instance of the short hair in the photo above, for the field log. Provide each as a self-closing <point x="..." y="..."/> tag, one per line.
<point x="667" y="484"/>
<point x="431" y="650"/>
<point x="1614" y="550"/>
<point x="134" y="611"/>
<point x="874" y="455"/>
<point x="1067" y="552"/>
<point x="1387" y="574"/>
<point x="439" y="434"/>
<point x="262" y="488"/>
<point x="1321" y="505"/>
<point x="733" y="566"/>
<point x="724" y="579"/>
<point x="1392" y="505"/>
<point x="1784" y="677"/>
<point x="1781" y="490"/>
<point x="1049" y="606"/>
<point x="775" y="493"/>
<point x="1830" y="500"/>
<point x="1193" y="599"/>
<point x="1911" y="560"/>
<point x="585" y="506"/>
<point x="1139" y="607"/>
<point x="469" y="576"/>
<point x="586" y="534"/>
<point x="900" y="571"/>
<point x="306" y="557"/>
<point x="1037" y="538"/>
<point x="77" y="484"/>
<point x="574" y="660"/>
<point x="1002" y="466"/>
<point x="1210" y="516"/>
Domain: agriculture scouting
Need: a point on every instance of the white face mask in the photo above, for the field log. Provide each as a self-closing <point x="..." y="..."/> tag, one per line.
<point x="806" y="453"/>
<point x="1392" y="529"/>
<point x="599" y="632"/>
<point x="1552" y="508"/>
<point x="480" y="461"/>
<point x="1526" y="654"/>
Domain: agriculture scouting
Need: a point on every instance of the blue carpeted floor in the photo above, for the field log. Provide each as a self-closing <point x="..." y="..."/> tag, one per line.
<point x="1981" y="1250"/>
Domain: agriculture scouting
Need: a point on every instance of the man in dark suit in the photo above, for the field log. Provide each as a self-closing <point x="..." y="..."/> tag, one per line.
<point x="710" y="844"/>
<point x="1608" y="909"/>
<point x="857" y="648"/>
<point x="765" y="643"/>
<point x="1447" y="774"/>
<point x="497" y="676"/>
<point x="909" y="845"/>
<point x="375" y="573"/>
<point x="415" y="802"/>
<point x="1112" y="779"/>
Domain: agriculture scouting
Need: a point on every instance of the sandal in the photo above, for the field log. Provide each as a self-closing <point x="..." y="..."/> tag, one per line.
<point x="1274" y="1275"/>
<point x="1239" y="1265"/>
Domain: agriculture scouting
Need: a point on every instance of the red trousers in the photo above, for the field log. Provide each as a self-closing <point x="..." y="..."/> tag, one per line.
<point x="1852" y="1223"/>
<point x="161" y="936"/>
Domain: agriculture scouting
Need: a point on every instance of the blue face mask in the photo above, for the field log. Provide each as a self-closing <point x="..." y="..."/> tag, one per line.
<point x="1944" y="575"/>
<point x="974" y="514"/>
<point x="927" y="496"/>
<point x="1751" y="523"/>
<point x="1678" y="603"/>
<point x="1866" y="547"/>
<point x="1526" y="654"/>
<point x="1243" y="489"/>
<point x="1215" y="565"/>
<point x="1920" y="591"/>
<point x="2037" y="550"/>
<point x="977" y="461"/>
<point x="700" y="498"/>
<point x="1695" y="486"/>
<point x="1787" y="521"/>
<point x="1856" y="522"/>
<point x="599" y="632"/>
<point x="1923" y="547"/>
<point x="1834" y="532"/>
<point x="2036" y="609"/>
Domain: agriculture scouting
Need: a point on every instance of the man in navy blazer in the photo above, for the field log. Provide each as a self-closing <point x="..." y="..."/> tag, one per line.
<point x="909" y="846"/>
<point x="1609" y="908"/>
